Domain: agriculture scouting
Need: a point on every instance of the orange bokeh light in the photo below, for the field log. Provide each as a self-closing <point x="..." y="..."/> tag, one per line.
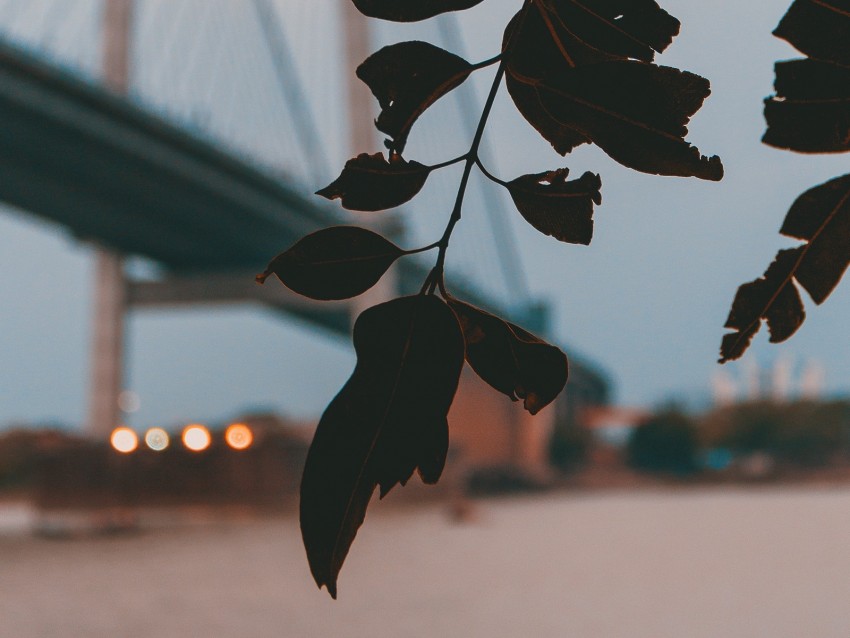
<point x="239" y="436"/>
<point x="196" y="437"/>
<point x="124" y="440"/>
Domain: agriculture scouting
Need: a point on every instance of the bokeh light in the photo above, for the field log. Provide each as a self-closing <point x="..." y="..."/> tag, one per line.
<point x="196" y="437"/>
<point x="129" y="401"/>
<point x="239" y="436"/>
<point x="124" y="440"/>
<point x="157" y="439"/>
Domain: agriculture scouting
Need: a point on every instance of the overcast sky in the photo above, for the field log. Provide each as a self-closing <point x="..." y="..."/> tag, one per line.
<point x="647" y="300"/>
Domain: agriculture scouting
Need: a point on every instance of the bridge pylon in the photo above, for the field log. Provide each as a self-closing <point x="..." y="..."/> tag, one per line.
<point x="110" y="292"/>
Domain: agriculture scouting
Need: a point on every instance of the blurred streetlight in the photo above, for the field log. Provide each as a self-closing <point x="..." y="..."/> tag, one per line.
<point x="239" y="436"/>
<point x="124" y="440"/>
<point x="196" y="437"/>
<point x="157" y="439"/>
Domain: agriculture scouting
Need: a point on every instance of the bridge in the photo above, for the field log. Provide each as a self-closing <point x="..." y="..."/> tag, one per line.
<point x="82" y="151"/>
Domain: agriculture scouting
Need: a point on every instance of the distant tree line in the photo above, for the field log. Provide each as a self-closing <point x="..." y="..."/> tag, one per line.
<point x="797" y="435"/>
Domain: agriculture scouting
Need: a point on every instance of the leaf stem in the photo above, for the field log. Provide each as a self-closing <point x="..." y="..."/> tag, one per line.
<point x="448" y="162"/>
<point x="436" y="277"/>
<point x="488" y="62"/>
<point x="423" y="249"/>
<point x="488" y="174"/>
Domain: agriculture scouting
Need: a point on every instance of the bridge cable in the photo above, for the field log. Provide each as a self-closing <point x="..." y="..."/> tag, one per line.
<point x="292" y="89"/>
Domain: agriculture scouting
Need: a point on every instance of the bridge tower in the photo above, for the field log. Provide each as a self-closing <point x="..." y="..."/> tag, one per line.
<point x="110" y="292"/>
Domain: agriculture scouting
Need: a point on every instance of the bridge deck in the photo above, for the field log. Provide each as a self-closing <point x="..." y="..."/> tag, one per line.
<point x="111" y="172"/>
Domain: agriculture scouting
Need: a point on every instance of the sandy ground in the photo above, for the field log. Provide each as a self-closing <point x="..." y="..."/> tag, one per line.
<point x="683" y="564"/>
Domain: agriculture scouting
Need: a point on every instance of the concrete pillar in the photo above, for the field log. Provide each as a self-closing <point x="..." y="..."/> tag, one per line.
<point x="107" y="360"/>
<point x="117" y="22"/>
<point x="110" y="288"/>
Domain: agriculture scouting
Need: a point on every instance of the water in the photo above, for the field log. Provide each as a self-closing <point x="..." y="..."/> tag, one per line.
<point x="683" y="564"/>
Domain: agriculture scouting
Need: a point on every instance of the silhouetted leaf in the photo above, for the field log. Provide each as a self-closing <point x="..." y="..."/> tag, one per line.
<point x="387" y="421"/>
<point x="540" y="46"/>
<point x="334" y="263"/>
<point x="407" y="78"/>
<point x="410" y="10"/>
<point x="370" y="182"/>
<point x="818" y="28"/>
<point x="774" y="298"/>
<point x="557" y="207"/>
<point x="622" y="28"/>
<point x="811" y="114"/>
<point x="533" y="56"/>
<point x="562" y="138"/>
<point x="821" y="216"/>
<point x="573" y="93"/>
<point x="811" y="110"/>
<point x="510" y="359"/>
<point x="636" y="112"/>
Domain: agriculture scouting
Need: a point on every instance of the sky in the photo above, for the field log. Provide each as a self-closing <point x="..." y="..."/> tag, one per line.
<point x="646" y="301"/>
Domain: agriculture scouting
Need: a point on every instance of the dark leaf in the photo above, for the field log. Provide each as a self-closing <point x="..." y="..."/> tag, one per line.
<point x="535" y="56"/>
<point x="821" y="216"/>
<point x="774" y="298"/>
<point x="562" y="138"/>
<point x="370" y="182"/>
<point x="556" y="207"/>
<point x="811" y="110"/>
<point x="818" y="28"/>
<point x="387" y="421"/>
<point x="540" y="46"/>
<point x="811" y="114"/>
<point x="407" y="78"/>
<point x="511" y="360"/>
<point x="636" y="112"/>
<point x="410" y="10"/>
<point x="572" y="93"/>
<point x="334" y="263"/>
<point x="622" y="28"/>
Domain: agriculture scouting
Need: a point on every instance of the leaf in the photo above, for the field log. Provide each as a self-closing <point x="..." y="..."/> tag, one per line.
<point x="773" y="298"/>
<point x="533" y="55"/>
<point x="370" y="182"/>
<point x="810" y="112"/>
<point x="539" y="45"/>
<point x="573" y="93"/>
<point x="821" y="216"/>
<point x="387" y="421"/>
<point x="334" y="263"/>
<point x="511" y="360"/>
<point x="407" y="78"/>
<point x="410" y="10"/>
<point x="622" y="28"/>
<point x="818" y="28"/>
<point x="562" y="138"/>
<point x="556" y="207"/>
<point x="636" y="112"/>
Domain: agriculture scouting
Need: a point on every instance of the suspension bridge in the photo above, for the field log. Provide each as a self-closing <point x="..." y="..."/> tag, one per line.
<point x="186" y="133"/>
